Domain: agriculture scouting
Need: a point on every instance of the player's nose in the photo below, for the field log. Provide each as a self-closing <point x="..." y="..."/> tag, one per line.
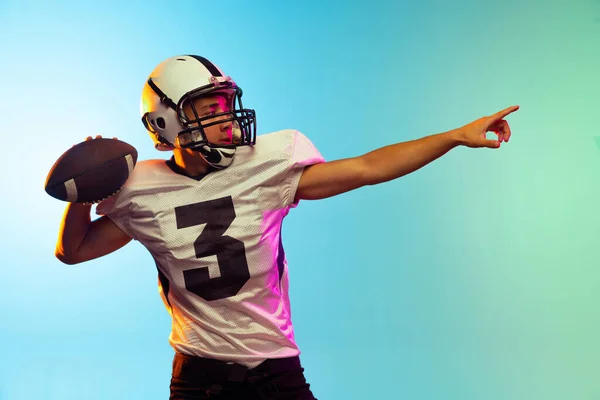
<point x="225" y="126"/>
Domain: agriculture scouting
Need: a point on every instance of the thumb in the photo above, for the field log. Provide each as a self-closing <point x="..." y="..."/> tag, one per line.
<point x="491" y="144"/>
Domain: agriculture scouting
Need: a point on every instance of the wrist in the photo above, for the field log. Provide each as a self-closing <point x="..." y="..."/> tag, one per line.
<point x="456" y="137"/>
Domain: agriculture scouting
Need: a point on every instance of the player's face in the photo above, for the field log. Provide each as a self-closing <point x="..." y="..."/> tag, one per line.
<point x="219" y="133"/>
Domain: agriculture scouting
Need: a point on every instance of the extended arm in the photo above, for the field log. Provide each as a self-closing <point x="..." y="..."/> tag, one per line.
<point x="332" y="178"/>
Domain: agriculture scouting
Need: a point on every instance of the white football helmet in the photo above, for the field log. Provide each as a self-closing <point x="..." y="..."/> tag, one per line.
<point x="175" y="83"/>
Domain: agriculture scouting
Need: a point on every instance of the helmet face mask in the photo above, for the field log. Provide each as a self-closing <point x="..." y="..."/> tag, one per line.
<point x="177" y="84"/>
<point x="243" y="121"/>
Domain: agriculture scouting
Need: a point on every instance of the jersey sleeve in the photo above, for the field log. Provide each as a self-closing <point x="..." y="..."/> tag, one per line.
<point x="303" y="153"/>
<point x="117" y="209"/>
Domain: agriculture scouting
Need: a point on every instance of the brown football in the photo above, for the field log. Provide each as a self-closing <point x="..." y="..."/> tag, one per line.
<point x="91" y="171"/>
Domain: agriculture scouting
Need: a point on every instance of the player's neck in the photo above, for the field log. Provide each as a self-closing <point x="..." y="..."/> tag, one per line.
<point x="192" y="163"/>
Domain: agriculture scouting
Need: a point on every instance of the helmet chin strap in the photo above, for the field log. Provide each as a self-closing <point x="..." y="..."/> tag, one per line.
<point x="216" y="157"/>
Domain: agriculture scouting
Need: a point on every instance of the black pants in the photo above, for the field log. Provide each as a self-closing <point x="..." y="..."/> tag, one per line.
<point x="202" y="378"/>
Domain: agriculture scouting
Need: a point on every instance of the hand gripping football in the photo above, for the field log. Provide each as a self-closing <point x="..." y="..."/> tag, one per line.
<point x="91" y="171"/>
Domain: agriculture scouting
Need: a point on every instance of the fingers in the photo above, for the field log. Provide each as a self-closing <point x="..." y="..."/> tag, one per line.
<point x="100" y="137"/>
<point x="506" y="129"/>
<point x="501" y="114"/>
<point x="499" y="125"/>
<point x="97" y="137"/>
<point x="502" y="129"/>
<point x="90" y="138"/>
<point x="86" y="139"/>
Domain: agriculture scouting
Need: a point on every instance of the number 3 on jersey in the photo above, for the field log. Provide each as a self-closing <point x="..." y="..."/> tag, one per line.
<point x="231" y="254"/>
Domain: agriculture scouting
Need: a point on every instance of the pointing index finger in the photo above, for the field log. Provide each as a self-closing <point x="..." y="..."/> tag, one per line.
<point x="501" y="114"/>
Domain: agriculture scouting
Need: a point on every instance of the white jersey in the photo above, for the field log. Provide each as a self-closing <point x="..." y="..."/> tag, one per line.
<point x="217" y="246"/>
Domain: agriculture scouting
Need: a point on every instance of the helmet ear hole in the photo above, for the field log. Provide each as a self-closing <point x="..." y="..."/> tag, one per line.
<point x="160" y="122"/>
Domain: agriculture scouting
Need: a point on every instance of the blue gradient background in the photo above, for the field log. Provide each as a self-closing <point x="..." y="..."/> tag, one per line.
<point x="473" y="278"/>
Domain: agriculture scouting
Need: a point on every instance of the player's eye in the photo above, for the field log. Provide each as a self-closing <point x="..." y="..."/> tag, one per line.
<point x="207" y="113"/>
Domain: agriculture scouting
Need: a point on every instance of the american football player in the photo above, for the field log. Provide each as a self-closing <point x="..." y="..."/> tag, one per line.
<point x="211" y="218"/>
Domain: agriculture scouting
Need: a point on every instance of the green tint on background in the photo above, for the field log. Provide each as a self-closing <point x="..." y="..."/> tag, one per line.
<point x="473" y="278"/>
